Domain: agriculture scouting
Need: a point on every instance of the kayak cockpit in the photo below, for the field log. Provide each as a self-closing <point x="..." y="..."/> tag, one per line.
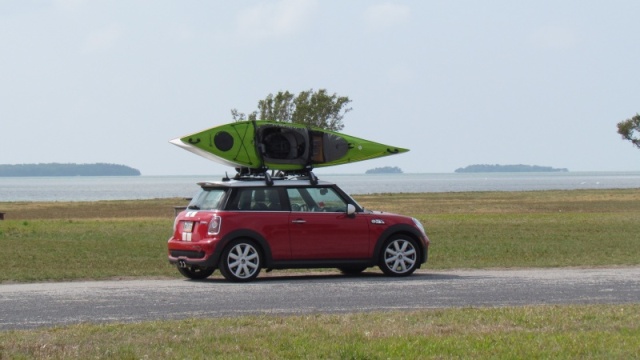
<point x="299" y="146"/>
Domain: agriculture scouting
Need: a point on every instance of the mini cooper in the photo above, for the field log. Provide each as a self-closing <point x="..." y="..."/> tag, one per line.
<point x="243" y="225"/>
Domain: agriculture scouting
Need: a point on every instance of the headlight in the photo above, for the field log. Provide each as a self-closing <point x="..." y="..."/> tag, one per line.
<point x="419" y="225"/>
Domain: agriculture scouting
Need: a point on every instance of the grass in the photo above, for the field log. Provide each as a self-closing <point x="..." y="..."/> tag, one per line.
<point x="86" y="240"/>
<point x="106" y="239"/>
<point x="42" y="250"/>
<point x="524" y="229"/>
<point x="534" y="240"/>
<point x="558" y="332"/>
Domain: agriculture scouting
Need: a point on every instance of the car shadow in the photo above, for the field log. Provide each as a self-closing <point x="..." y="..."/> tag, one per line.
<point x="319" y="277"/>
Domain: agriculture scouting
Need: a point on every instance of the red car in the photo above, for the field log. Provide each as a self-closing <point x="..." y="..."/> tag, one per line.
<point x="243" y="225"/>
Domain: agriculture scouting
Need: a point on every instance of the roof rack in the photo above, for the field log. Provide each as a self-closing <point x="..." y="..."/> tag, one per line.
<point x="268" y="176"/>
<point x="307" y="172"/>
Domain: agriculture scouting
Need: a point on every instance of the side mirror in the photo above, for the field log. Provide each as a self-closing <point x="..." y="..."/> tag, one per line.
<point x="351" y="210"/>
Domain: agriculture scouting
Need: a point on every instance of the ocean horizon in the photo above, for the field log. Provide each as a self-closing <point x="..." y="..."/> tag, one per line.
<point x="94" y="188"/>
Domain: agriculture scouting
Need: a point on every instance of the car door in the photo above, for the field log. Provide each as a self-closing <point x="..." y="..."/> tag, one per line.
<point x="320" y="229"/>
<point x="259" y="209"/>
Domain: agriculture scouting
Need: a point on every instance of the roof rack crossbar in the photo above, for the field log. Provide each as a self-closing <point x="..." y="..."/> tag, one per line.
<point x="263" y="174"/>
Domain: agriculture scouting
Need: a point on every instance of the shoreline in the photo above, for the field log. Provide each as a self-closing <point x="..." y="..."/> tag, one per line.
<point x="154" y="187"/>
<point x="179" y="199"/>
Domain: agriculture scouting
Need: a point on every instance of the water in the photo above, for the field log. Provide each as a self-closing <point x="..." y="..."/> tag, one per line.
<point x="150" y="187"/>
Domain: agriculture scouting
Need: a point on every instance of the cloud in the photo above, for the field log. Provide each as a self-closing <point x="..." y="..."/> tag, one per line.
<point x="274" y="20"/>
<point x="387" y="15"/>
<point x="103" y="39"/>
<point x="554" y="37"/>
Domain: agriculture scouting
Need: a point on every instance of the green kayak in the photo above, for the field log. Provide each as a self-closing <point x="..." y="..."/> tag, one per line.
<point x="280" y="146"/>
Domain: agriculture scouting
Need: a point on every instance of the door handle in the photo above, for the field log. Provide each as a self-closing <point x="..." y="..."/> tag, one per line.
<point x="299" y="221"/>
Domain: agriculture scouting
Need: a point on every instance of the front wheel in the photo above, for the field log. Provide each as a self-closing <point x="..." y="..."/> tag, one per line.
<point x="241" y="261"/>
<point x="399" y="257"/>
<point x="196" y="272"/>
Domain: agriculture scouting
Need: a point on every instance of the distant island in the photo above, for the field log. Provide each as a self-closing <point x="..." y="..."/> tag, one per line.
<point x="385" y="170"/>
<point x="55" y="169"/>
<point x="484" y="168"/>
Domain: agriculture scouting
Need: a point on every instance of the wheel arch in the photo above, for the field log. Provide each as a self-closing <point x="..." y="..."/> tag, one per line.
<point x="400" y="229"/>
<point x="244" y="234"/>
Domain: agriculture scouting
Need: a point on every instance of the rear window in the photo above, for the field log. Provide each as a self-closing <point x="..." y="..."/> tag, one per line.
<point x="208" y="199"/>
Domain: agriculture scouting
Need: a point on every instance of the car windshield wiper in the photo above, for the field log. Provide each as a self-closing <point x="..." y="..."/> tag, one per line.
<point x="193" y="207"/>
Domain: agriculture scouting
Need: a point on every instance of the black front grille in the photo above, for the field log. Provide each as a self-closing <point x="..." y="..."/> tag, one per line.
<point x="188" y="254"/>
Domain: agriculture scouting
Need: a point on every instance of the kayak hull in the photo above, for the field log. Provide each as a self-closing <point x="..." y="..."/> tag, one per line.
<point x="280" y="146"/>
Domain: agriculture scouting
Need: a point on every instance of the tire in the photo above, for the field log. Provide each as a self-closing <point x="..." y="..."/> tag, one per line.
<point x="399" y="256"/>
<point x="352" y="270"/>
<point x="241" y="261"/>
<point x="196" y="272"/>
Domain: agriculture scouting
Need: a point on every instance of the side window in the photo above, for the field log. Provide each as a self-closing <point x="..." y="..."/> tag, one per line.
<point x="258" y="199"/>
<point x="316" y="200"/>
<point x="296" y="201"/>
<point x="272" y="197"/>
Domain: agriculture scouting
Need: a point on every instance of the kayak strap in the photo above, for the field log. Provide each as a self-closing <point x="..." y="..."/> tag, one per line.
<point x="242" y="147"/>
<point x="259" y="147"/>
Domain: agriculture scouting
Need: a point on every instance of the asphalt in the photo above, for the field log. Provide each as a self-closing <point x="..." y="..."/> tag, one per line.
<point x="25" y="306"/>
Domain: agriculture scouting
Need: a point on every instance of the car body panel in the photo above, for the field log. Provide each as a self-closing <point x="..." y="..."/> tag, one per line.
<point x="329" y="235"/>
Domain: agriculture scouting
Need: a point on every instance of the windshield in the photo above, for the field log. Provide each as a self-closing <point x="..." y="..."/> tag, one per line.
<point x="207" y="199"/>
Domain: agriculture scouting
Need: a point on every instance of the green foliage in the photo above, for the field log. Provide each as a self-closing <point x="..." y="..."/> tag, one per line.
<point x="630" y="130"/>
<point x="280" y="107"/>
<point x="56" y="169"/>
<point x="310" y="108"/>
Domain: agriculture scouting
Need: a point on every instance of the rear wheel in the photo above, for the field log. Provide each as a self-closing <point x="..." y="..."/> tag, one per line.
<point x="399" y="256"/>
<point x="241" y="261"/>
<point x="196" y="272"/>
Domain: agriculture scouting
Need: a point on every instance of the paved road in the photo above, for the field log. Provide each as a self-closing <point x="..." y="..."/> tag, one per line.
<point x="24" y="306"/>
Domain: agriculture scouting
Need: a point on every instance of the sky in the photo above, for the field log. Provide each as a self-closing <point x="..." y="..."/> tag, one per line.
<point x="457" y="82"/>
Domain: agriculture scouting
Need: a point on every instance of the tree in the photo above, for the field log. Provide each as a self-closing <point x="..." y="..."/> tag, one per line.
<point x="310" y="108"/>
<point x="630" y="130"/>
